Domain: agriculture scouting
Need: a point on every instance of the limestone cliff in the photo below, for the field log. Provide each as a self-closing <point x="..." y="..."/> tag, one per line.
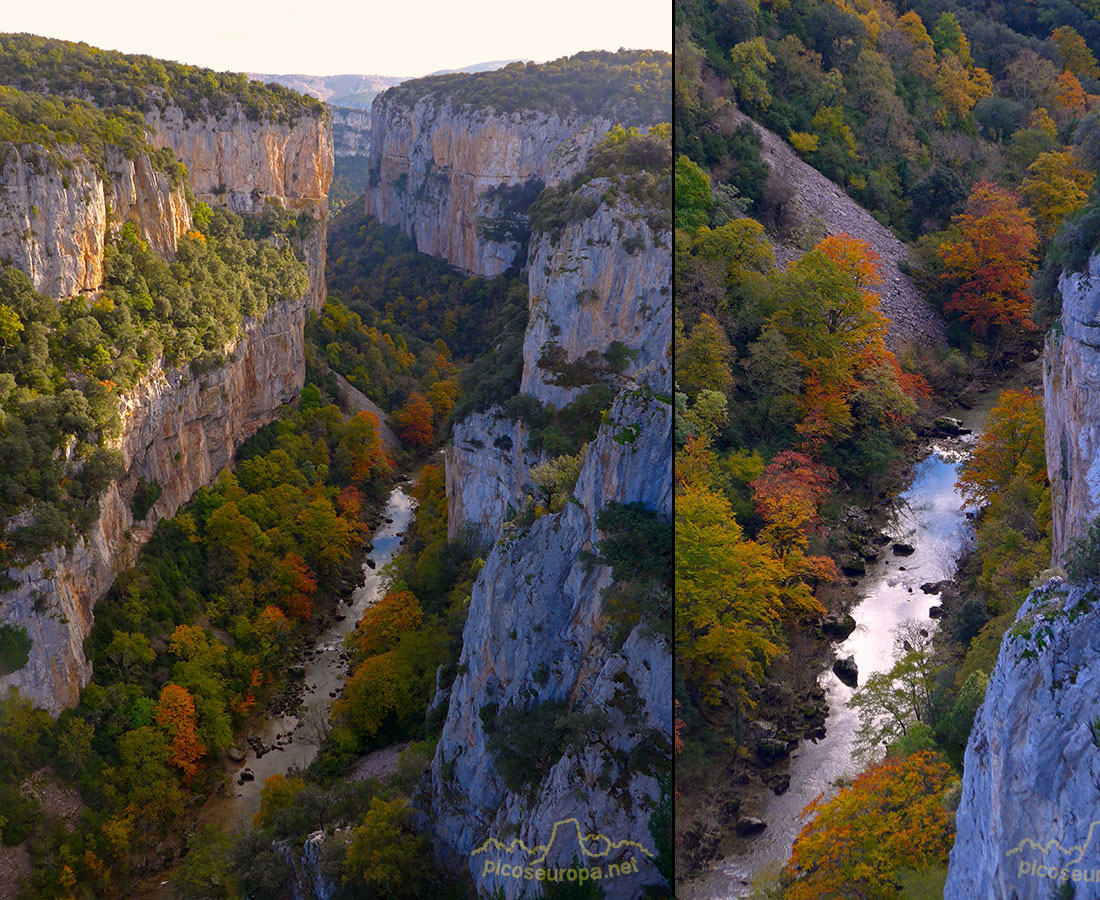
<point x="350" y="131"/>
<point x="436" y="171"/>
<point x="605" y="279"/>
<point x="1032" y="764"/>
<point x="1071" y="388"/>
<point x="56" y="210"/>
<point x="180" y="432"/>
<point x="536" y="630"/>
<point x="177" y="429"/>
<point x="243" y="163"/>
<point x="602" y="279"/>
<point x="536" y="633"/>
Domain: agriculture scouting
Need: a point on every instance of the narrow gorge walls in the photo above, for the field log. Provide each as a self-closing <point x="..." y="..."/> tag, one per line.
<point x="179" y="429"/>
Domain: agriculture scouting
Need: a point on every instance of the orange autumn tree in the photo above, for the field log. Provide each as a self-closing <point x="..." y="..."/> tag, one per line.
<point x="991" y="263"/>
<point x="830" y="315"/>
<point x="732" y="594"/>
<point x="892" y="817"/>
<point x="385" y="622"/>
<point x="415" y="421"/>
<point x="1011" y="445"/>
<point x="175" y="713"/>
<point x="787" y="496"/>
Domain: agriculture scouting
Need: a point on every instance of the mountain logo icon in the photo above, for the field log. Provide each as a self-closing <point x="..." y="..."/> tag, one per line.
<point x="1075" y="852"/>
<point x="592" y="846"/>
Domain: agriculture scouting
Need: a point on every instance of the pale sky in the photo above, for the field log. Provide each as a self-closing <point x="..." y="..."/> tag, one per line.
<point x="334" y="37"/>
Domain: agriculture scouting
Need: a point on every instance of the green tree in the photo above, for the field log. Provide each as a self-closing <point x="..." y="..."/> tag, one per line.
<point x="751" y="59"/>
<point x="693" y="201"/>
<point x="386" y="854"/>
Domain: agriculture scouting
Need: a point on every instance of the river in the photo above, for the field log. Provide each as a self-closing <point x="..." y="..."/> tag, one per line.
<point x="292" y="740"/>
<point x="928" y="514"/>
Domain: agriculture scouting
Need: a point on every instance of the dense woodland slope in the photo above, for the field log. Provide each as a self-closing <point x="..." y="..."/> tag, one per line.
<point x="803" y="377"/>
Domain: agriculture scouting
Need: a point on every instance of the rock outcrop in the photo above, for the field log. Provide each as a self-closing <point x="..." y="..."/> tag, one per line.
<point x="436" y="171"/>
<point x="816" y="197"/>
<point x="605" y="279"/>
<point x="1032" y="764"/>
<point x="178" y="430"/>
<point x="350" y="131"/>
<point x="56" y="209"/>
<point x="245" y="164"/>
<point x="602" y="279"/>
<point x="487" y="465"/>
<point x="536" y="633"/>
<point x="1071" y="391"/>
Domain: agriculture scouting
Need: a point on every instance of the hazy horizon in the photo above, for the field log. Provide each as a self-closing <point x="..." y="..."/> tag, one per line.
<point x="340" y="38"/>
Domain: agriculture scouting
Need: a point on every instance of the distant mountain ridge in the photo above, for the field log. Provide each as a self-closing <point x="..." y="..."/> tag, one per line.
<point x="359" y="91"/>
<point x="355" y="91"/>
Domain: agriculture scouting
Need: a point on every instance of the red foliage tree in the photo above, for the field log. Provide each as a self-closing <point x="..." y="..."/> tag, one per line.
<point x="993" y="260"/>
<point x="415" y="421"/>
<point x="175" y="713"/>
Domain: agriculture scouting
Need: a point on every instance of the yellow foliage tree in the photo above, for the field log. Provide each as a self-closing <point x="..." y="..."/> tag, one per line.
<point x="1056" y="187"/>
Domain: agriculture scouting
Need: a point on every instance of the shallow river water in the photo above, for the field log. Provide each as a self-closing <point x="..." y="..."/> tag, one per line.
<point x="929" y="515"/>
<point x="296" y="736"/>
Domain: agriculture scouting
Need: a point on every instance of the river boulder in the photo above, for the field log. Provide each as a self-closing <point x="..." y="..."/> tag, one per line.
<point x="847" y="670"/>
<point x="839" y="626"/>
<point x="750" y="825"/>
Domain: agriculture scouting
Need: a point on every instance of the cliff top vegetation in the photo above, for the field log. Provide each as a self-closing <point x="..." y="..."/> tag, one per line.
<point x="629" y="86"/>
<point x="110" y="79"/>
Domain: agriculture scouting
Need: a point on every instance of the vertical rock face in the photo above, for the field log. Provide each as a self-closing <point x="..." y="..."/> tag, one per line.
<point x="487" y="463"/>
<point x="244" y="164"/>
<point x="56" y="209"/>
<point x="139" y="194"/>
<point x="536" y="633"/>
<point x="1032" y="764"/>
<point x="434" y="168"/>
<point x="1071" y="394"/>
<point x="350" y="131"/>
<point x="536" y="630"/>
<point x="603" y="280"/>
<point x="178" y="430"/>
<point x="53" y="218"/>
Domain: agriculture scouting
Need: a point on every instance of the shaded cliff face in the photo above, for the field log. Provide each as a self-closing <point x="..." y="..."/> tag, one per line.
<point x="536" y="633"/>
<point x="1032" y="763"/>
<point x="350" y="131"/>
<point x="434" y="168"/>
<point x="1071" y="387"/>
<point x="56" y="209"/>
<point x="177" y="429"/>
<point x="603" y="280"/>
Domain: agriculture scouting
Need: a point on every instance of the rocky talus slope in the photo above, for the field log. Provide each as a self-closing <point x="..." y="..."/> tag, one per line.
<point x="818" y="198"/>
<point x="436" y="171"/>
<point x="178" y="429"/>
